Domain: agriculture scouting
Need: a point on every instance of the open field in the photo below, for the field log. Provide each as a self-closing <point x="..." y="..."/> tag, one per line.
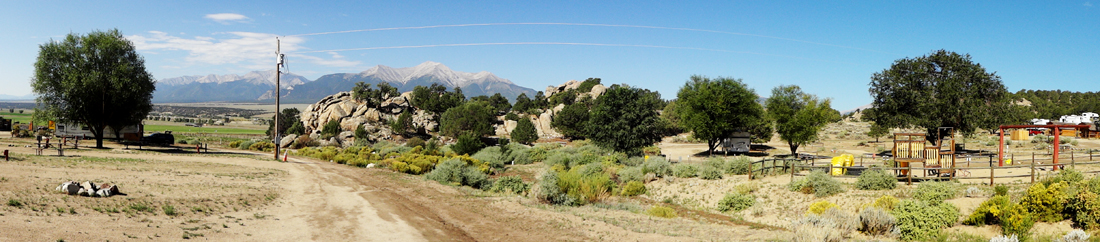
<point x="17" y="117"/>
<point x="205" y="129"/>
<point x="236" y="195"/>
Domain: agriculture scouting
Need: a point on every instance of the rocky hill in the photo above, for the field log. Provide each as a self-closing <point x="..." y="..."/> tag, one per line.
<point x="351" y="114"/>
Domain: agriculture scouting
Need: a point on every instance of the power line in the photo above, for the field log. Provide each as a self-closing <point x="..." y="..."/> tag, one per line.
<point x="597" y="25"/>
<point x="558" y="43"/>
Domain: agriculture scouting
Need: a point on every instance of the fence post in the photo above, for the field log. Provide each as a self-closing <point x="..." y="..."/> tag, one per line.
<point x="908" y="174"/>
<point x="1033" y="167"/>
<point x="792" y="171"/>
<point x="830" y="170"/>
<point x="750" y="168"/>
<point x="1072" y="162"/>
<point x="991" y="175"/>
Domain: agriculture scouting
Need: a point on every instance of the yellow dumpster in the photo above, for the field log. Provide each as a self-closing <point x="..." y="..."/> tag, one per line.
<point x="842" y="160"/>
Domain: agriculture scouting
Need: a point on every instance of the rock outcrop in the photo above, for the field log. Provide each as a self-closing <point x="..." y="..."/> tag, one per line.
<point x="351" y="114"/>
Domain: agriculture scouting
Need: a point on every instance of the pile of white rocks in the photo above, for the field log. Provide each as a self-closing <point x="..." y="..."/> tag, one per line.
<point x="88" y="189"/>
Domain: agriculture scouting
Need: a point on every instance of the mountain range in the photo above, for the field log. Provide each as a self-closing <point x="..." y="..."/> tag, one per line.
<point x="260" y="85"/>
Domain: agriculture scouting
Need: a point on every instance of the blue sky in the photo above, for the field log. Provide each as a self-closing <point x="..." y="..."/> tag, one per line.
<point x="830" y="49"/>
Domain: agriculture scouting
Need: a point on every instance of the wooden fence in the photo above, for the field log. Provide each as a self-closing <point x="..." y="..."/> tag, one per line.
<point x="957" y="172"/>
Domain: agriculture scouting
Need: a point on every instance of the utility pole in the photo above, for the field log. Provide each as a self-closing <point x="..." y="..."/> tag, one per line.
<point x="278" y="72"/>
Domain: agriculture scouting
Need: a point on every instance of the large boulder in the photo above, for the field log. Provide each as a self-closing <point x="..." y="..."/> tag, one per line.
<point x="571" y="84"/>
<point x="286" y="141"/>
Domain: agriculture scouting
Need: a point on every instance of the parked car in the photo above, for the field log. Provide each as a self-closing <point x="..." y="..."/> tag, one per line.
<point x="165" y="138"/>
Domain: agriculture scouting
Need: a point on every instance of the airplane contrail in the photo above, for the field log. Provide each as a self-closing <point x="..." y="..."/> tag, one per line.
<point x="598" y="25"/>
<point x="553" y="43"/>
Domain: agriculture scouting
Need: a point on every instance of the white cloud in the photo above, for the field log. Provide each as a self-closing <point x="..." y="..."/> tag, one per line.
<point x="336" y="61"/>
<point x="248" y="50"/>
<point x="1088" y="4"/>
<point x="225" y="18"/>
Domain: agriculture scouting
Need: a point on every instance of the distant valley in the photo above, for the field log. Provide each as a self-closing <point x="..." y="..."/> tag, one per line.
<point x="259" y="86"/>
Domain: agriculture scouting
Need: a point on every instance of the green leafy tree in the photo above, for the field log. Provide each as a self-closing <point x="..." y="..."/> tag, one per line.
<point x="467" y="144"/>
<point x="290" y="122"/>
<point x="332" y="128"/>
<point x="523" y="103"/>
<point x="587" y="84"/>
<point x="541" y="101"/>
<point x="360" y="133"/>
<point x="798" y="116"/>
<point x="402" y="124"/>
<point x="713" y="109"/>
<point x="670" y="115"/>
<point x="436" y="98"/>
<point x="471" y="117"/>
<point x="363" y="92"/>
<point x="942" y="89"/>
<point x="97" y="80"/>
<point x="500" y="103"/>
<point x="572" y="121"/>
<point x="625" y="119"/>
<point x="525" y="132"/>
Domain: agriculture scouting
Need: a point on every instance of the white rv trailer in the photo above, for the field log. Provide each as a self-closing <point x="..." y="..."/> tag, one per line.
<point x="77" y="130"/>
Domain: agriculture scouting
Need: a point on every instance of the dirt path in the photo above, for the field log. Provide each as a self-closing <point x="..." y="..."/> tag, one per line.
<point x="243" y="196"/>
<point x="326" y="204"/>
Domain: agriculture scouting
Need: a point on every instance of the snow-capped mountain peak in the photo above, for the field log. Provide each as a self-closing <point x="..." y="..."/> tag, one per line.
<point x="435" y="70"/>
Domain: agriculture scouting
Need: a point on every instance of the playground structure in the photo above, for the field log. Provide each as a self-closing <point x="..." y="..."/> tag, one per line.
<point x="1055" y="129"/>
<point x="913" y="148"/>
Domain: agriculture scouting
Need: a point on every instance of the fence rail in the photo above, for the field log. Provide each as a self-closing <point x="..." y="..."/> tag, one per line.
<point x="954" y="172"/>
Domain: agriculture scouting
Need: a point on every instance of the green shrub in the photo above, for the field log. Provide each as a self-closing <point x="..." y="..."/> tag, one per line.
<point x="876" y="221"/>
<point x="740" y="165"/>
<point x="885" y="202"/>
<point x="457" y="172"/>
<point x="1070" y="176"/>
<point x="716" y="162"/>
<point x="709" y="173"/>
<point x="414" y="142"/>
<point x="633" y="188"/>
<point x="266" y="146"/>
<point x="586" y="188"/>
<point x="661" y="211"/>
<point x="511" y="184"/>
<point x="15" y="203"/>
<point x="876" y="179"/>
<point x="169" y="210"/>
<point x="820" y="207"/>
<point x="181" y="141"/>
<point x="244" y="145"/>
<point x="685" y="170"/>
<point x="1017" y="221"/>
<point x="467" y="144"/>
<point x="235" y="143"/>
<point x="1084" y="210"/>
<point x="736" y="202"/>
<point x="921" y="220"/>
<point x="630" y="174"/>
<point x="1046" y="203"/>
<point x="1000" y="190"/>
<point x="520" y="156"/>
<point x="814" y="227"/>
<point x="658" y="166"/>
<point x="550" y="192"/>
<point x="817" y="183"/>
<point x="491" y="155"/>
<point x="989" y="212"/>
<point x="935" y="192"/>
<point x="332" y="128"/>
